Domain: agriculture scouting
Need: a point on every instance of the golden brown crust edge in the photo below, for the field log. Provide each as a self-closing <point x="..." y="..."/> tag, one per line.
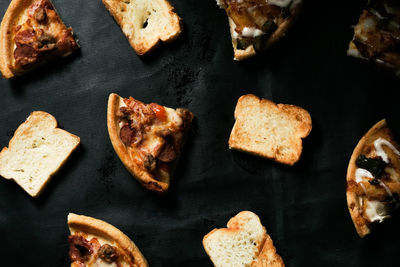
<point x="286" y="108"/>
<point x="267" y="252"/>
<point x="112" y="124"/>
<point x="275" y="37"/>
<point x="352" y="201"/>
<point x="140" y="49"/>
<point x="103" y="229"/>
<point x="12" y="14"/>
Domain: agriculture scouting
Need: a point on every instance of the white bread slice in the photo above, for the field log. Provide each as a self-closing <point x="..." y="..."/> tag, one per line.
<point x="36" y="151"/>
<point x="145" y="22"/>
<point x="244" y="243"/>
<point x="270" y="130"/>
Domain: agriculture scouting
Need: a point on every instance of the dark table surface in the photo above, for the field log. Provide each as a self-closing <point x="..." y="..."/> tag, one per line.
<point x="303" y="207"/>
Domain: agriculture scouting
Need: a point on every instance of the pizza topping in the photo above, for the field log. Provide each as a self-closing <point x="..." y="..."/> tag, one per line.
<point x="378" y="179"/>
<point x="168" y="154"/>
<point x="154" y="132"/>
<point x="42" y="32"/>
<point x="377" y="34"/>
<point x="375" y="211"/>
<point x="108" y="253"/>
<point x="374" y="165"/>
<point x="80" y="249"/>
<point x="255" y="18"/>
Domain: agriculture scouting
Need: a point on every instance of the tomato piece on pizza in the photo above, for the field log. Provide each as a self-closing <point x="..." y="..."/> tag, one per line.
<point x="93" y="242"/>
<point x="32" y="33"/>
<point x="373" y="178"/>
<point x="148" y="138"/>
<point x="377" y="35"/>
<point x="255" y="25"/>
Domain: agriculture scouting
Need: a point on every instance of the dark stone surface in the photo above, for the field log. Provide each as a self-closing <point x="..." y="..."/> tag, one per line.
<point x="303" y="207"/>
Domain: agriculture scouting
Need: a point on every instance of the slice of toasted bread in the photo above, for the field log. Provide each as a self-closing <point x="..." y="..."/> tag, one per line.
<point x="105" y="233"/>
<point x="145" y="22"/>
<point x="370" y="193"/>
<point x="244" y="243"/>
<point x="270" y="130"/>
<point x="36" y="152"/>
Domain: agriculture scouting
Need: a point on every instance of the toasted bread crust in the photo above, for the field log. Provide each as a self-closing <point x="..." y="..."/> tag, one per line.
<point x="279" y="33"/>
<point x="113" y="6"/>
<point x="238" y="141"/>
<point x="267" y="255"/>
<point x="113" y="130"/>
<point x="96" y="227"/>
<point x="352" y="202"/>
<point x="39" y="115"/>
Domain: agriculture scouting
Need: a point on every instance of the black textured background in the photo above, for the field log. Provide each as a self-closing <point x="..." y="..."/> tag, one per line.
<point x="303" y="207"/>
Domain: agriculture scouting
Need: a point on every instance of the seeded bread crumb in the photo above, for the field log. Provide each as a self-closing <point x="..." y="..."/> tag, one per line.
<point x="244" y="243"/>
<point x="36" y="151"/>
<point x="269" y="130"/>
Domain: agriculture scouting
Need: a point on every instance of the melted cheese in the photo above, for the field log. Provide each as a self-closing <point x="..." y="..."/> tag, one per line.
<point x="378" y="143"/>
<point x="375" y="210"/>
<point x="280" y="3"/>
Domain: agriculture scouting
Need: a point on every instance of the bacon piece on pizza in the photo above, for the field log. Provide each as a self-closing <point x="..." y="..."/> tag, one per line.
<point x="373" y="178"/>
<point x="148" y="138"/>
<point x="377" y="34"/>
<point x="93" y="242"/>
<point x="255" y="25"/>
<point x="32" y="33"/>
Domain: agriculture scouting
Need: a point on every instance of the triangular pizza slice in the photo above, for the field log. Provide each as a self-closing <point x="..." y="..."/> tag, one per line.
<point x="148" y="138"/>
<point x="32" y="33"/>
<point x="93" y="242"/>
<point x="373" y="178"/>
<point x="255" y="25"/>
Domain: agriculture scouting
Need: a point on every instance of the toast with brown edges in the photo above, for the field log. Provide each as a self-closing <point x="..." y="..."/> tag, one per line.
<point x="36" y="152"/>
<point x="148" y="138"/>
<point x="145" y="23"/>
<point x="255" y="25"/>
<point x="93" y="242"/>
<point x="373" y="178"/>
<point x="244" y="242"/>
<point x="32" y="33"/>
<point x="269" y="130"/>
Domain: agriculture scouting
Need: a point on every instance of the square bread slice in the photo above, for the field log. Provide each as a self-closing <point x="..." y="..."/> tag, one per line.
<point x="269" y="130"/>
<point x="244" y="243"/>
<point x="36" y="151"/>
<point x="145" y="23"/>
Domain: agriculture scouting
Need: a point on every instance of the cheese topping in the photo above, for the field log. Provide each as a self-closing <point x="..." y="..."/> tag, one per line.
<point x="280" y="3"/>
<point x="375" y="211"/>
<point x="251" y="32"/>
<point x="379" y="150"/>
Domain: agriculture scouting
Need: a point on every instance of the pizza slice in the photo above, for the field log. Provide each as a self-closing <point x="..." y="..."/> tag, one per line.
<point x="373" y="178"/>
<point x="32" y="33"/>
<point x="255" y="25"/>
<point x="148" y="138"/>
<point x="377" y="34"/>
<point x="93" y="242"/>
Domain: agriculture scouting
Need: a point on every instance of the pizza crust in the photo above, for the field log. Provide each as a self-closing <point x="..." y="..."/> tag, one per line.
<point x="96" y="227"/>
<point x="353" y="205"/>
<point x="10" y="19"/>
<point x="113" y="130"/>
